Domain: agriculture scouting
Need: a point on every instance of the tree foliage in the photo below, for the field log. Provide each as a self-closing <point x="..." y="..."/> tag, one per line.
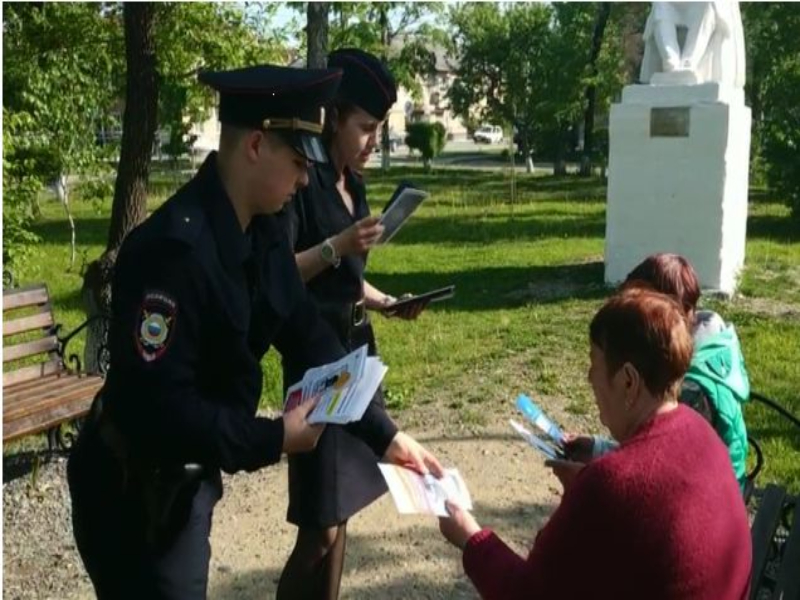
<point x="64" y="82"/>
<point x="20" y="188"/>
<point x="529" y="66"/>
<point x="192" y="36"/>
<point x="603" y="12"/>
<point x="60" y="63"/>
<point x="403" y="33"/>
<point x="773" y="78"/>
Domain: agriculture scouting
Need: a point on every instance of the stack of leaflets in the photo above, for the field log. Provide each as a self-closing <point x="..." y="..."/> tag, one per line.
<point x="424" y="494"/>
<point x="547" y="438"/>
<point x="344" y="388"/>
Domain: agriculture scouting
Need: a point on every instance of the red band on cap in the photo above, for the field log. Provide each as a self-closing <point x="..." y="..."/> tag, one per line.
<point x="371" y="74"/>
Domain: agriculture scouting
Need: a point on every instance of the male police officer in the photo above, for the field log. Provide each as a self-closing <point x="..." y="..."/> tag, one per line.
<point x="201" y="290"/>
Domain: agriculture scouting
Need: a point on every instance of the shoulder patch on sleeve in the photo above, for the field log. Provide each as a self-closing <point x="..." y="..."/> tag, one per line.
<point x="155" y="325"/>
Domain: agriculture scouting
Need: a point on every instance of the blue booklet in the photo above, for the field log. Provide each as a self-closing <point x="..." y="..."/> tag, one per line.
<point x="547" y="437"/>
<point x="537" y="416"/>
<point x="549" y="450"/>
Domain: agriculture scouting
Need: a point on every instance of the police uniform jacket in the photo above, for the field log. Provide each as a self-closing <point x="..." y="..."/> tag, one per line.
<point x="196" y="304"/>
<point x="318" y="212"/>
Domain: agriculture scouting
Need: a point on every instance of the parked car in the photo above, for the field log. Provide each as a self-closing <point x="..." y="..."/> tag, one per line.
<point x="488" y="134"/>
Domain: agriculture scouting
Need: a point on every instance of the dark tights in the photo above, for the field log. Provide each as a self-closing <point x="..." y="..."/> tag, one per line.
<point x="314" y="569"/>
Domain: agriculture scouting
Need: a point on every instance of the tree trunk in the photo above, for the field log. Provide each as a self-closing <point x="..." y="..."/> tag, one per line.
<point x="632" y="17"/>
<point x="139" y="122"/>
<point x="526" y="152"/>
<point x="385" y="141"/>
<point x="559" y="162"/>
<point x="62" y="193"/>
<point x="603" y="12"/>
<point x="317" y="34"/>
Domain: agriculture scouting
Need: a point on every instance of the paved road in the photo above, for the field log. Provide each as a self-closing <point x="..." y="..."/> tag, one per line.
<point x="465" y="154"/>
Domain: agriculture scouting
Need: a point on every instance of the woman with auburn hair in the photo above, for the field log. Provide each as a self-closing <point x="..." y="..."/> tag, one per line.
<point x="670" y="274"/>
<point x="649" y="520"/>
<point x="716" y="383"/>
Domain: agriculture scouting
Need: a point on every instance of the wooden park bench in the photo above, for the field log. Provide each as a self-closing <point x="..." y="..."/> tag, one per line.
<point x="775" y="533"/>
<point x="41" y="391"/>
<point x="775" y="529"/>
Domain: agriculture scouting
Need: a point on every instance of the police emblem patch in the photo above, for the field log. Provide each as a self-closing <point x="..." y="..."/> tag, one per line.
<point x="155" y="325"/>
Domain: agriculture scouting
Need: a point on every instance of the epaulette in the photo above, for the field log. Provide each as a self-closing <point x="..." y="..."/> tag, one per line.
<point x="186" y="221"/>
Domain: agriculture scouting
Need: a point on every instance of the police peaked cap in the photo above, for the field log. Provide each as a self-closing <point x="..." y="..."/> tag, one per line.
<point x="285" y="100"/>
<point x="366" y="81"/>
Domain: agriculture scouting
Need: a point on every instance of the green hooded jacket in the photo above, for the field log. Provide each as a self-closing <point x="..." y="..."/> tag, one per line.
<point x="718" y="369"/>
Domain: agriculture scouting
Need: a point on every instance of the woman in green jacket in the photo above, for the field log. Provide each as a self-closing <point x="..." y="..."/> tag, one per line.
<point x="716" y="384"/>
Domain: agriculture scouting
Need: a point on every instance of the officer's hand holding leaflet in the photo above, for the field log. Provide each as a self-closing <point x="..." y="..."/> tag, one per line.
<point x="408" y="452"/>
<point x="298" y="434"/>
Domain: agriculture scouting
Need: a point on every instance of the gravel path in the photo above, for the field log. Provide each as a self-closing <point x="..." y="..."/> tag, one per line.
<point x="389" y="556"/>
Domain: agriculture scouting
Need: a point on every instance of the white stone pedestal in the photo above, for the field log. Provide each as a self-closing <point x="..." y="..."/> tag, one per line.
<point x="678" y="177"/>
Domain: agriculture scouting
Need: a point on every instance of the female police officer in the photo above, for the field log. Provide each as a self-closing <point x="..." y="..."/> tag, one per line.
<point x="200" y="292"/>
<point x="331" y="231"/>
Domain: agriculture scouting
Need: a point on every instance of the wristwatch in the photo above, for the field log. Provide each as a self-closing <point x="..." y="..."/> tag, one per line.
<point x="329" y="254"/>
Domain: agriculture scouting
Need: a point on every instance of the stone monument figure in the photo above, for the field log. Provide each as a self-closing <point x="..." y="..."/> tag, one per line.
<point x="679" y="147"/>
<point x="694" y="42"/>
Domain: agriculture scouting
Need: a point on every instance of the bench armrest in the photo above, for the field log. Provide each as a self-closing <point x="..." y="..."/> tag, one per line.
<point x="102" y="357"/>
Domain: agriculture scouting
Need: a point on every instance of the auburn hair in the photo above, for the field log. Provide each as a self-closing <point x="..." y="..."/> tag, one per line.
<point x="647" y="329"/>
<point x="669" y="274"/>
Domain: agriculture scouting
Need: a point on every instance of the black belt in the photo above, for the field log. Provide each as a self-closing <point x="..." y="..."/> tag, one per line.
<point x="165" y="491"/>
<point x="113" y="438"/>
<point x="358" y="313"/>
<point x="345" y="316"/>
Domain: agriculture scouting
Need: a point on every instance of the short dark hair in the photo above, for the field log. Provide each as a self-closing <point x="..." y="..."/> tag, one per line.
<point x="669" y="274"/>
<point x="647" y="329"/>
<point x="231" y="135"/>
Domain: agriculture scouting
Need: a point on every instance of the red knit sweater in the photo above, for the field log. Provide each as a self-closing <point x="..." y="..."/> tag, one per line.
<point x="662" y="517"/>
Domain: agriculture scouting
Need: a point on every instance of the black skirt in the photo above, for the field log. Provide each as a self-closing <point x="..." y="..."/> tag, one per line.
<point x="341" y="476"/>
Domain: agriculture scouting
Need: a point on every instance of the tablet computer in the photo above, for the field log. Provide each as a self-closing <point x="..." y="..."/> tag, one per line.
<point x="432" y="296"/>
<point x="405" y="200"/>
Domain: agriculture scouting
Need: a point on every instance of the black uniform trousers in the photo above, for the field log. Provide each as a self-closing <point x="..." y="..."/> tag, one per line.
<point x="110" y="528"/>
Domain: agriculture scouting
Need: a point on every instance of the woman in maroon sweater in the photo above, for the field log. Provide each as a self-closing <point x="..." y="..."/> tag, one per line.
<point x="662" y="517"/>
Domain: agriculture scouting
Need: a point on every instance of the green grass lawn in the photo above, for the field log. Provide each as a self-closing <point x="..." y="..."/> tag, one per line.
<point x="529" y="277"/>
